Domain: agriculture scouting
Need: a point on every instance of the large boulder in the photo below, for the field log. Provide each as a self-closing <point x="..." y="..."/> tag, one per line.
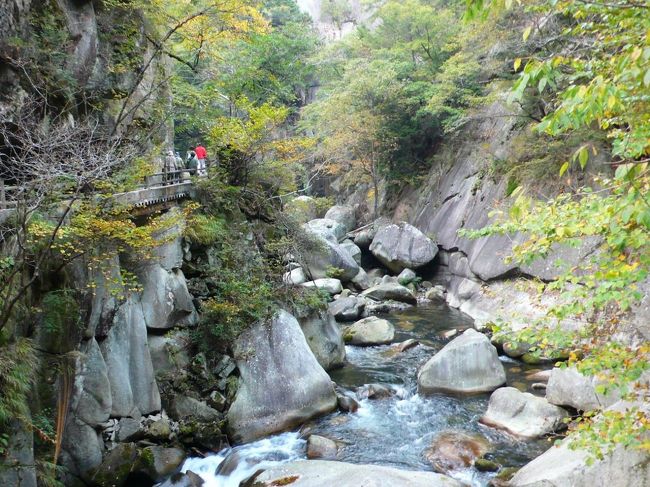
<point x="302" y="208"/>
<point x="327" y="258"/>
<point x="188" y="408"/>
<point x="467" y="364"/>
<point x="403" y="246"/>
<point x="295" y="277"/>
<point x="17" y="461"/>
<point x="370" y="331"/>
<point x="330" y="230"/>
<point x="390" y="290"/>
<point x="523" y="414"/>
<point x="346" y="309"/>
<point x="455" y="450"/>
<point x="568" y="387"/>
<point x="324" y="338"/>
<point x="321" y="447"/>
<point x="562" y="466"/>
<point x="327" y="284"/>
<point x="343" y="214"/>
<point x="282" y="384"/>
<point x="361" y="281"/>
<point x="351" y="248"/>
<point x="170" y="353"/>
<point x="320" y="473"/>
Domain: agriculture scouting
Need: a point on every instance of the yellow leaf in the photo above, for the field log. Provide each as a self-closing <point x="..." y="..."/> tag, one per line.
<point x="517" y="63"/>
<point x="527" y="32"/>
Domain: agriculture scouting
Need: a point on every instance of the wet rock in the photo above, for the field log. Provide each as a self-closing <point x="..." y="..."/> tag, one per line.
<point x="455" y="450"/>
<point x="346" y="403"/>
<point x="403" y="246"/>
<point x="282" y="384"/>
<point x="485" y="465"/>
<point x="324" y="338"/>
<point x="369" y="331"/>
<point x="467" y="364"/>
<point x="205" y="436"/>
<point x="343" y="214"/>
<point x="538" y="386"/>
<point x="522" y="414"/>
<point x="375" y="307"/>
<point x="562" y="466"/>
<point x="158" y="462"/>
<point x="347" y="309"/>
<point x="374" y="391"/>
<point x="406" y="345"/>
<point x="320" y="473"/>
<point x="390" y="290"/>
<point x="447" y="334"/>
<point x="321" y="447"/>
<point x="502" y="479"/>
<point x="539" y="375"/>
<point x="568" y="387"/>
<point x="188" y="408"/>
<point x="329" y="285"/>
<point x="295" y="277"/>
<point x="436" y="294"/>
<point x="187" y="479"/>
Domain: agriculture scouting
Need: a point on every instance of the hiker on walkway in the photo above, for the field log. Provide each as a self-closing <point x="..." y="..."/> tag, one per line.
<point x="201" y="155"/>
<point x="192" y="163"/>
<point x="170" y="168"/>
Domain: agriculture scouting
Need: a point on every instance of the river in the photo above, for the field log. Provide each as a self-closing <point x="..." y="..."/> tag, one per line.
<point x="392" y="431"/>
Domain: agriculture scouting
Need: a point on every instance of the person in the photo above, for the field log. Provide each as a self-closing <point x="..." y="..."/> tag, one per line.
<point x="192" y="163"/>
<point x="201" y="155"/>
<point x="170" y="167"/>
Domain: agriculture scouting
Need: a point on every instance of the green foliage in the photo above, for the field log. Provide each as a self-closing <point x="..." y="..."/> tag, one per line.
<point x="205" y="229"/>
<point x="18" y="365"/>
<point x="60" y="311"/>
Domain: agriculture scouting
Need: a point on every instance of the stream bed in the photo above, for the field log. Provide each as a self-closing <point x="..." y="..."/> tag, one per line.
<point x="392" y="431"/>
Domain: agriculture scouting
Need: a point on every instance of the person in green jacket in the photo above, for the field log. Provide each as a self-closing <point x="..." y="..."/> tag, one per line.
<point x="192" y="163"/>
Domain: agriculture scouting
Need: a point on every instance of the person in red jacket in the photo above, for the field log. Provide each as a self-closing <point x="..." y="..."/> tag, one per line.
<point x="201" y="155"/>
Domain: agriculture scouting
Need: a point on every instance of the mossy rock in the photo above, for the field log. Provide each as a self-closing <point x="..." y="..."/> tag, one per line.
<point x="158" y="462"/>
<point x="485" y="465"/>
<point x="116" y="466"/>
<point x="502" y="479"/>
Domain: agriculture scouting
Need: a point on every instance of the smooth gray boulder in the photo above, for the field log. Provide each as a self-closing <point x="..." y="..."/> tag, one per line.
<point x="407" y="276"/>
<point x="281" y="384"/>
<point x="522" y="414"/>
<point x="302" y="208"/>
<point x="133" y="386"/>
<point x="324" y="338"/>
<point x="91" y="400"/>
<point x="159" y="462"/>
<point x="390" y="290"/>
<point x="351" y="248"/>
<point x="568" y="387"/>
<point x="330" y="230"/>
<point x="370" y="331"/>
<point x="82" y="448"/>
<point x="327" y="284"/>
<point x="321" y="447"/>
<point x="346" y="309"/>
<point x="403" y="246"/>
<point x="166" y="302"/>
<point x="184" y="407"/>
<point x="329" y="257"/>
<point x="320" y="473"/>
<point x="343" y="214"/>
<point x="295" y="277"/>
<point x="467" y="364"/>
<point x="560" y="466"/>
<point x="361" y="281"/>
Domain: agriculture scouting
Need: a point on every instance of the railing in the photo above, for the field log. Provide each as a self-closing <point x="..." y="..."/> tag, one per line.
<point x="166" y="178"/>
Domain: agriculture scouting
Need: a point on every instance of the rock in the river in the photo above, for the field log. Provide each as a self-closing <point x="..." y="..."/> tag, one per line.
<point x="295" y="277"/>
<point x="159" y="462"/>
<point x="326" y="257"/>
<point x="330" y="230"/>
<point x="343" y="214"/>
<point x="561" y="466"/>
<point x="370" y="331"/>
<point x="346" y="309"/>
<point x="321" y="473"/>
<point x="282" y="384"/>
<point x="390" y="290"/>
<point x="346" y="403"/>
<point x="374" y="391"/>
<point x="467" y="364"/>
<point x="436" y="293"/>
<point x="321" y="447"/>
<point x="406" y="345"/>
<point x="188" y="479"/>
<point x="302" y="208"/>
<point x="403" y="246"/>
<point x="454" y="450"/>
<point x="324" y="338"/>
<point x="361" y="281"/>
<point x="568" y="387"/>
<point x="184" y="407"/>
<point x="327" y="284"/>
<point x="522" y="414"/>
<point x="351" y="248"/>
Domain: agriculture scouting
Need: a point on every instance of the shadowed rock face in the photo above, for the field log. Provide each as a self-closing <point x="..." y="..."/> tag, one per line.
<point x="467" y="364"/>
<point x="320" y="473"/>
<point x="282" y="384"/>
<point x="324" y="338"/>
<point x="403" y="246"/>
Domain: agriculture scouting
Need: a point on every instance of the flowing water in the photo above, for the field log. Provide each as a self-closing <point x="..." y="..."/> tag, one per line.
<point x="392" y="431"/>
